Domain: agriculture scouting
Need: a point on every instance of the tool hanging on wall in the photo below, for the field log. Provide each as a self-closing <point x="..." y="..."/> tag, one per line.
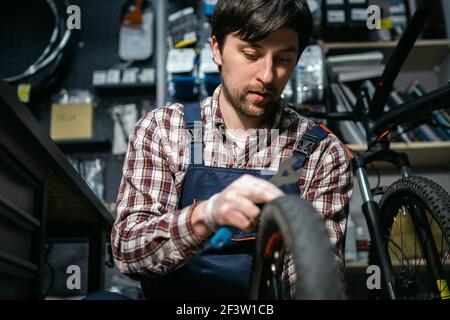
<point x="125" y="118"/>
<point x="136" y="31"/>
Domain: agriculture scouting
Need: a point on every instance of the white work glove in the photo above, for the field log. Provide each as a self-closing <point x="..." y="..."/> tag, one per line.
<point x="237" y="206"/>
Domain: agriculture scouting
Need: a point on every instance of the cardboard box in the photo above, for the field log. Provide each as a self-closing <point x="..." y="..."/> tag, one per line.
<point x="72" y="121"/>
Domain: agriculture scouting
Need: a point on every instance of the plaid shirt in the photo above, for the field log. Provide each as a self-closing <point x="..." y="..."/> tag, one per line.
<point x="151" y="235"/>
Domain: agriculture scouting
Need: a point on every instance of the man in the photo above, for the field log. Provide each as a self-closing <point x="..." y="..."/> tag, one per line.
<point x="169" y="207"/>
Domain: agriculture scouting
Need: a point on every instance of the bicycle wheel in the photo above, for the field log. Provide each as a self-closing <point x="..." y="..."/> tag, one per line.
<point x="415" y="215"/>
<point x="293" y="223"/>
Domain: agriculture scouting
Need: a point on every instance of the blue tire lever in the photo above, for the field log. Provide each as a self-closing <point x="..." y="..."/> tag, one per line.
<point x="221" y="237"/>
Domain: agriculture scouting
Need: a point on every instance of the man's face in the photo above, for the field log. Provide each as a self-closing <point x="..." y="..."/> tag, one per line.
<point x="255" y="74"/>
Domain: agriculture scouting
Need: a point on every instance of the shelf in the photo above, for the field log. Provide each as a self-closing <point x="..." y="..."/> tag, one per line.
<point x="433" y="50"/>
<point x="384" y="44"/>
<point x="421" y="154"/>
<point x="88" y="145"/>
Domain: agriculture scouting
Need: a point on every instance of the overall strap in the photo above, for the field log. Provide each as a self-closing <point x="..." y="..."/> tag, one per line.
<point x="193" y="121"/>
<point x="308" y="143"/>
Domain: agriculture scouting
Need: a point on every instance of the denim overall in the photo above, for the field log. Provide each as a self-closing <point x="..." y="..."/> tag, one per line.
<point x="226" y="272"/>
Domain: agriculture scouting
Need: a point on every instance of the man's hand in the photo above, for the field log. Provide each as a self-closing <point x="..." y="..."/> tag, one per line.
<point x="235" y="206"/>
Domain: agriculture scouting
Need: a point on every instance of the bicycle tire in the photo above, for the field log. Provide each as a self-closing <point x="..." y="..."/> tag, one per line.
<point x="428" y="195"/>
<point x="303" y="232"/>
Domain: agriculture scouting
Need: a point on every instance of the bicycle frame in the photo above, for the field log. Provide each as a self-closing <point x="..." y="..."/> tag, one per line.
<point x="370" y="111"/>
<point x="398" y="57"/>
<point x="414" y="110"/>
<point x="377" y="125"/>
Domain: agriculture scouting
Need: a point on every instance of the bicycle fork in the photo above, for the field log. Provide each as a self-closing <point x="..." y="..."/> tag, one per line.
<point x="372" y="216"/>
<point x="430" y="252"/>
<point x="371" y="213"/>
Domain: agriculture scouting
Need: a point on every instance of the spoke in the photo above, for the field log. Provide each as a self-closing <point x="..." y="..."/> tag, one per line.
<point x="446" y="256"/>
<point x="441" y="251"/>
<point x="275" y="287"/>
<point x="415" y="246"/>
<point x="443" y="262"/>
<point x="402" y="253"/>
<point x="430" y="222"/>
<point x="415" y="253"/>
<point x="418" y="266"/>
<point x="419" y="261"/>
<point x="401" y="229"/>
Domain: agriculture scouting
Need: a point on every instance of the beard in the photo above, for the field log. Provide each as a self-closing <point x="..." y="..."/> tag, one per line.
<point x="241" y="101"/>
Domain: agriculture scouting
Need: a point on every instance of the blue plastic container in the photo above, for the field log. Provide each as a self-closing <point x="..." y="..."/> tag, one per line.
<point x="211" y="82"/>
<point x="184" y="87"/>
<point x="208" y="9"/>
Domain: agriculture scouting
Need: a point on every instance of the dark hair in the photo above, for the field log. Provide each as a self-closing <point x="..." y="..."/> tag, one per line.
<point x="254" y="20"/>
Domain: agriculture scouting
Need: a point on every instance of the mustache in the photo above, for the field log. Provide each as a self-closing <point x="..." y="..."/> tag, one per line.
<point x="261" y="89"/>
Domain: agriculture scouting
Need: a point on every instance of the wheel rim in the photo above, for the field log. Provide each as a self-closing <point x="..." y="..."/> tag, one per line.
<point x="271" y="267"/>
<point x="410" y="267"/>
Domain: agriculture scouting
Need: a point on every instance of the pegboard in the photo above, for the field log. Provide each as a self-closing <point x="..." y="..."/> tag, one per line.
<point x="93" y="47"/>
